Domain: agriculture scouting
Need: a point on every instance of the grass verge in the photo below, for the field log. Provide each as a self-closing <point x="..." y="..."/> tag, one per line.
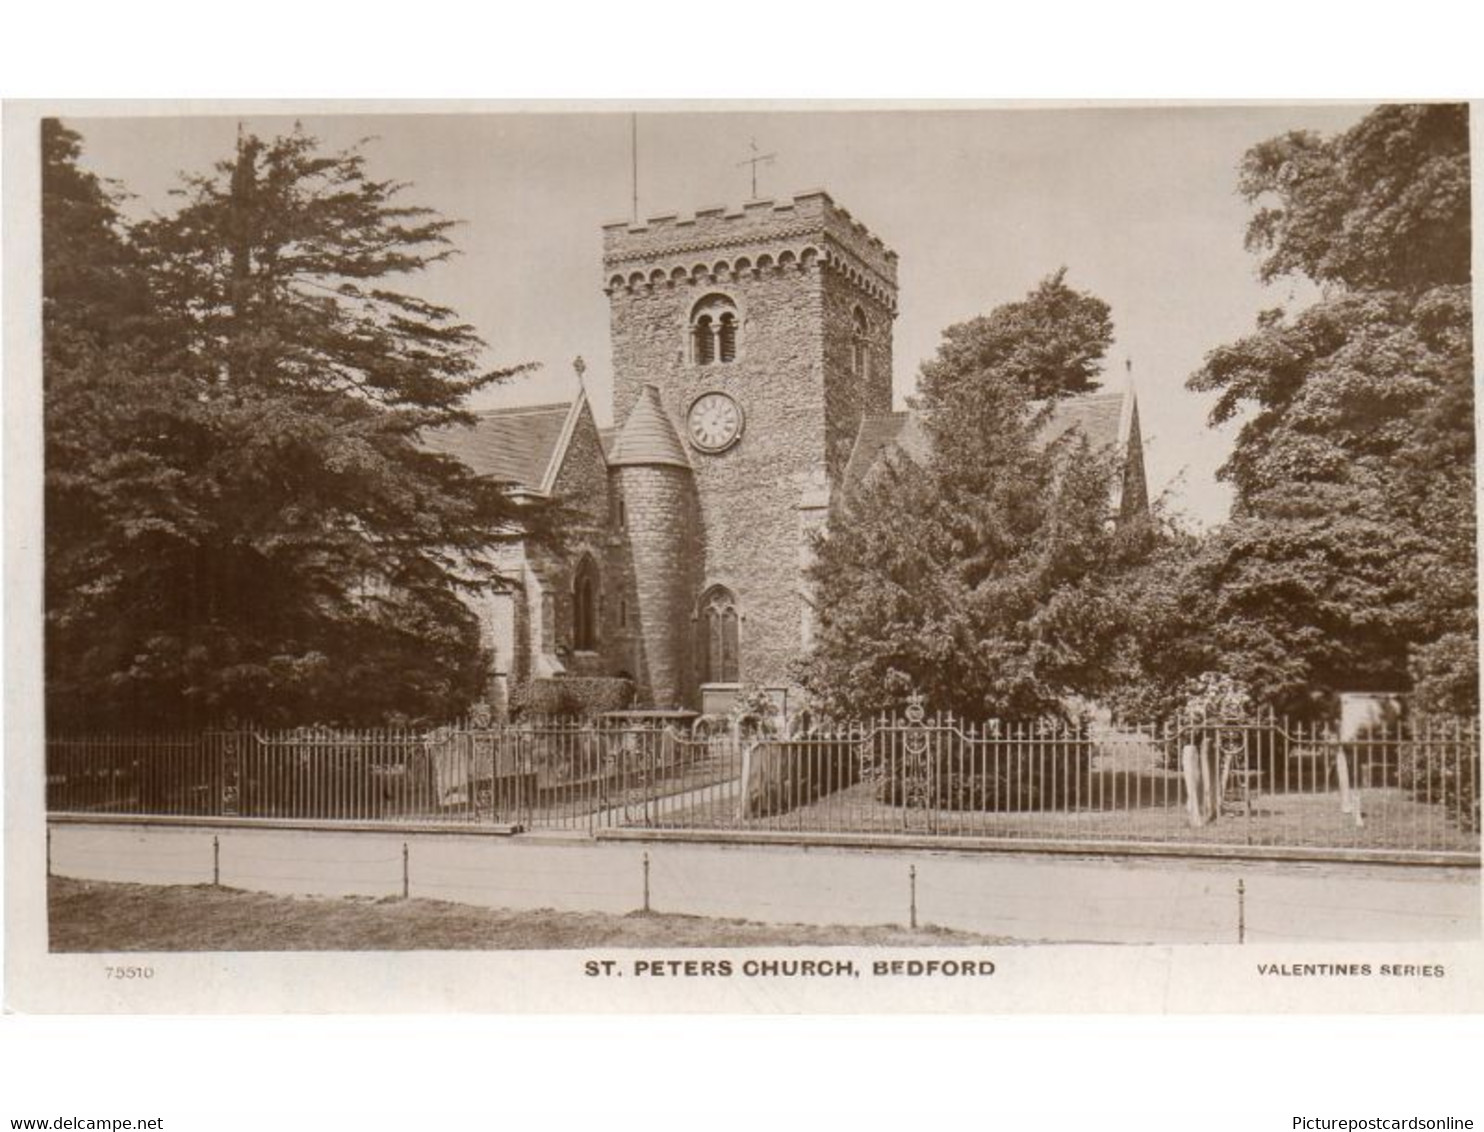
<point x="92" y="916"/>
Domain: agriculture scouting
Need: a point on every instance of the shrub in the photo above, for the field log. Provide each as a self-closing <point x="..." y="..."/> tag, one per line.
<point x="755" y="713"/>
<point x="1445" y="675"/>
<point x="1444" y="772"/>
<point x="998" y="776"/>
<point x="582" y="697"/>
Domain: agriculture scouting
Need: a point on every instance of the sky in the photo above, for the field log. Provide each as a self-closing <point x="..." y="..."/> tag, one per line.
<point x="1139" y="204"/>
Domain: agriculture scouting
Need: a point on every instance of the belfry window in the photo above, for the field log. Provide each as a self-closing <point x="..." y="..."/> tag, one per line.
<point x="585" y="607"/>
<point x="705" y="336"/>
<point x="715" y="331"/>
<point x="727" y="337"/>
<point x="718" y="644"/>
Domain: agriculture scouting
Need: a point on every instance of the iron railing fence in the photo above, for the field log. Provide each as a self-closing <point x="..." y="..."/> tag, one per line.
<point x="562" y="773"/>
<point x="1405" y="786"/>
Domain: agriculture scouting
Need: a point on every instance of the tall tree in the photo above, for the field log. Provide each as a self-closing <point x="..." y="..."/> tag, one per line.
<point x="1349" y="559"/>
<point x="980" y="575"/>
<point x="91" y="279"/>
<point x="114" y="423"/>
<point x="298" y="555"/>
<point x="1049" y="344"/>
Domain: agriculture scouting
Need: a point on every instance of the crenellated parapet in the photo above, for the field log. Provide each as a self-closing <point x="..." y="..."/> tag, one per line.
<point x="807" y="232"/>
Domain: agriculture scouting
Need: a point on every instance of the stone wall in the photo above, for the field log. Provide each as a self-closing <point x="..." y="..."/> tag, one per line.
<point x="848" y="396"/>
<point x="748" y="494"/>
<point x="581" y="486"/>
<point x="795" y="271"/>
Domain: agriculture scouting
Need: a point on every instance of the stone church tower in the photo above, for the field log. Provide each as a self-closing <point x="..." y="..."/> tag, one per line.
<point x="748" y="346"/>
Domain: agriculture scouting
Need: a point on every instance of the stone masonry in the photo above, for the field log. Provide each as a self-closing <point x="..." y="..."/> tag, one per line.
<point x="801" y="274"/>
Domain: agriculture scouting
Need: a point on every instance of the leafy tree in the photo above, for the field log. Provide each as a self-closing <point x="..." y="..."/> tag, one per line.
<point x="1051" y="344"/>
<point x="1379" y="207"/>
<point x="276" y="544"/>
<point x="91" y="280"/>
<point x="977" y="576"/>
<point x="1349" y="560"/>
<point x="1164" y="602"/>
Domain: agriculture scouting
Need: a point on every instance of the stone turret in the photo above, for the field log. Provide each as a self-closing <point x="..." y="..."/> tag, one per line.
<point x="660" y="540"/>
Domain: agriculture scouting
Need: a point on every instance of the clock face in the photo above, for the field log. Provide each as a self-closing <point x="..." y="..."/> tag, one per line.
<point x="715" y="422"/>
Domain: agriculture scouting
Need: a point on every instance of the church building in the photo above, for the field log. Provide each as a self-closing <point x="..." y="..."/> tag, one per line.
<point x="752" y="383"/>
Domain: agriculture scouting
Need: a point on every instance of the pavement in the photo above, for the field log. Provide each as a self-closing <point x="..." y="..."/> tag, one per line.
<point x="1018" y="896"/>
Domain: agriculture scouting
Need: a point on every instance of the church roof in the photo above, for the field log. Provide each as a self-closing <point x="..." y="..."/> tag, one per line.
<point x="648" y="436"/>
<point x="515" y="445"/>
<point x="1099" y="416"/>
<point x="901" y="430"/>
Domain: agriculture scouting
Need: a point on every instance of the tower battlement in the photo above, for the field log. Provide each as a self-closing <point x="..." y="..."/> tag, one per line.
<point x="805" y="231"/>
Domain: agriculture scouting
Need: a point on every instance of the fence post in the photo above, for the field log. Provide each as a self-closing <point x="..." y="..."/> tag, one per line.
<point x="912" y="887"/>
<point x="1241" y="910"/>
<point x="646" y="880"/>
<point x="405" y="876"/>
<point x="48" y="851"/>
<point x="216" y="861"/>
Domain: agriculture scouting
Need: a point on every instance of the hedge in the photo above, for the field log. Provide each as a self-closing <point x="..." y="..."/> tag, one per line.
<point x="580" y="696"/>
<point x="1005" y="776"/>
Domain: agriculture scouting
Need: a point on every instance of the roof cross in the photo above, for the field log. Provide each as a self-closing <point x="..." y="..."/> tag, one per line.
<point x="755" y="160"/>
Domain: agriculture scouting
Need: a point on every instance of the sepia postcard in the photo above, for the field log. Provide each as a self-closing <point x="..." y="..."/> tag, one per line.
<point x="670" y="557"/>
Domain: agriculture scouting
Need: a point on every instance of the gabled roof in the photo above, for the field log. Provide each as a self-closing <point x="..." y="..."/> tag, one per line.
<point x="1098" y="416"/>
<point x="1102" y="417"/>
<point x="648" y="436"/>
<point x="901" y="430"/>
<point x="520" y="446"/>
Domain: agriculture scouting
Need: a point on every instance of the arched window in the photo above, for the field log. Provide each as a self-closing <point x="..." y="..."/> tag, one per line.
<point x="718" y="637"/>
<point x="727" y="337"/>
<point x="715" y="331"/>
<point x="585" y="606"/>
<point x="860" y="352"/>
<point x="705" y="341"/>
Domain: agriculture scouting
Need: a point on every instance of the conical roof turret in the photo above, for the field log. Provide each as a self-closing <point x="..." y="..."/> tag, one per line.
<point x="648" y="436"/>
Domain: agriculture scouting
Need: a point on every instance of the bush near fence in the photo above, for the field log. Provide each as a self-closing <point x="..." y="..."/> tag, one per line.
<point x="321" y="776"/>
<point x="987" y="776"/>
<point x="570" y="697"/>
<point x="1435" y="772"/>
